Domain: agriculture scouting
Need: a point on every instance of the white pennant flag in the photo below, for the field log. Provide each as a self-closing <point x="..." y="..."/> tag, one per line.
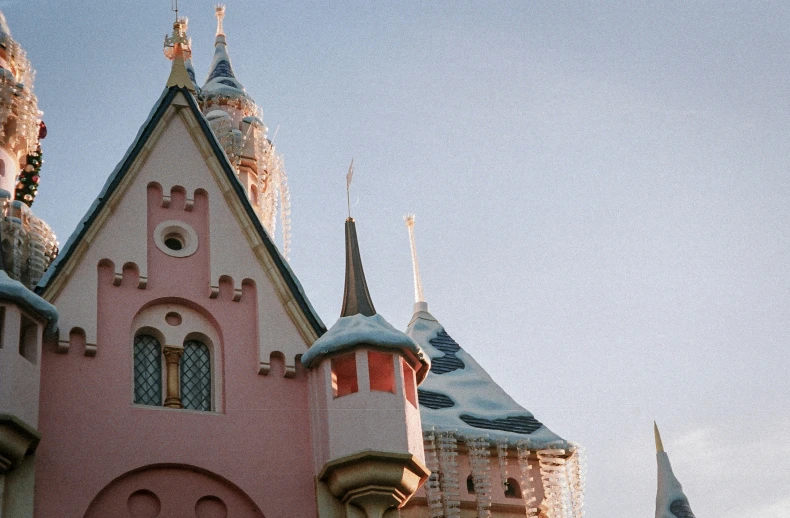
<point x="350" y="174"/>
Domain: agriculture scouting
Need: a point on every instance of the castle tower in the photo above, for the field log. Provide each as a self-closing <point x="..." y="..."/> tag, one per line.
<point x="366" y="425"/>
<point x="484" y="450"/>
<point x="238" y="124"/>
<point x="671" y="502"/>
<point x="24" y="319"/>
<point x="28" y="243"/>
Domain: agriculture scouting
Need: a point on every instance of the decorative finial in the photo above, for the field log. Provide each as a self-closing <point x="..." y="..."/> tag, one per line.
<point x="178" y="49"/>
<point x="219" y="11"/>
<point x="659" y="444"/>
<point x="418" y="297"/>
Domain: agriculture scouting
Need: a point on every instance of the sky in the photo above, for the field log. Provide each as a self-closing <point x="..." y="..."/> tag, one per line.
<point x="601" y="191"/>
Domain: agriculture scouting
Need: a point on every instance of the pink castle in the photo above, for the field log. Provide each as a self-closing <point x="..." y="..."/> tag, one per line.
<point x="167" y="363"/>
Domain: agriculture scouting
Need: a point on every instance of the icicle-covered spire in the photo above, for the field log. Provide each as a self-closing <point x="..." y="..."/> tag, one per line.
<point x="221" y="81"/>
<point x="177" y="49"/>
<point x="419" y="300"/>
<point x="356" y="297"/>
<point x="671" y="502"/>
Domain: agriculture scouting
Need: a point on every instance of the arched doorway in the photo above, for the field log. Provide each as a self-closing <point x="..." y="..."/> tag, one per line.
<point x="172" y="490"/>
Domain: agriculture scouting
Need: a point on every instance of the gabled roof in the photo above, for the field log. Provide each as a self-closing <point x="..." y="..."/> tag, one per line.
<point x="115" y="179"/>
<point x="458" y="394"/>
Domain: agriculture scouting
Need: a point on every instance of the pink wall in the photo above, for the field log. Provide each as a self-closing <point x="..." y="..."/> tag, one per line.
<point x="93" y="433"/>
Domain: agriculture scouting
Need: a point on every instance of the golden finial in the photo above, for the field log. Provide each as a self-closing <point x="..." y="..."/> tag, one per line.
<point x="177" y="49"/>
<point x="659" y="444"/>
<point x="219" y="10"/>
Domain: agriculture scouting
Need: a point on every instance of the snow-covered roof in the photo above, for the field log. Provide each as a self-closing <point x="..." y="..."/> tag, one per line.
<point x="5" y="32"/>
<point x="671" y="502"/>
<point x="355" y="330"/>
<point x="221" y="81"/>
<point x="14" y="291"/>
<point x="122" y="168"/>
<point x="458" y="394"/>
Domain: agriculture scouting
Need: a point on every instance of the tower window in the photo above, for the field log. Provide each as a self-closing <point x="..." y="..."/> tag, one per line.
<point x="470" y="485"/>
<point x="28" y="332"/>
<point x="382" y="371"/>
<point x="174" y="242"/>
<point x="147" y="370"/>
<point x="409" y="385"/>
<point x="512" y="489"/>
<point x="344" y="375"/>
<point x="195" y="371"/>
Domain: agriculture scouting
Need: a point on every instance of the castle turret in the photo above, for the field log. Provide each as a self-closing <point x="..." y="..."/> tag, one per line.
<point x="238" y="124"/>
<point x="671" y="502"/>
<point x="28" y="242"/>
<point x="24" y="319"/>
<point x="366" y="425"/>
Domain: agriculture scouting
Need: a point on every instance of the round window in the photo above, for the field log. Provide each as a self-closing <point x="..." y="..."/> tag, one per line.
<point x="176" y="238"/>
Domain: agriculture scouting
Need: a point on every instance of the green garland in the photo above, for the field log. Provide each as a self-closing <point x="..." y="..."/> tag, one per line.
<point x="29" y="178"/>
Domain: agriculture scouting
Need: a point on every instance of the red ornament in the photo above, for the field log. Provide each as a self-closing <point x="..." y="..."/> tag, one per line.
<point x="36" y="179"/>
<point x="42" y="131"/>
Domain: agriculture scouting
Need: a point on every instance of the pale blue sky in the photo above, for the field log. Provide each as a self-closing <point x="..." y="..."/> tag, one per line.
<point x="601" y="193"/>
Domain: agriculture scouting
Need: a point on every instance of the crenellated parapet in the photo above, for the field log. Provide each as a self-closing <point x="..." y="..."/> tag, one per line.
<point x="29" y="244"/>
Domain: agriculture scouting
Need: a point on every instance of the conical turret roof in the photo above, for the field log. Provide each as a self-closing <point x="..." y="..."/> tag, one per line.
<point x="458" y="394"/>
<point x="221" y="80"/>
<point x="671" y="502"/>
<point x="359" y="324"/>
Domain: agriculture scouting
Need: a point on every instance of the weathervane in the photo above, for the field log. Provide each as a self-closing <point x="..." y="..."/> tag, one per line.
<point x="349" y="175"/>
<point x="174" y="7"/>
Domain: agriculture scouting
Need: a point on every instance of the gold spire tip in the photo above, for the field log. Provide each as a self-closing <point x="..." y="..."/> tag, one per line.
<point x="219" y="11"/>
<point x="659" y="444"/>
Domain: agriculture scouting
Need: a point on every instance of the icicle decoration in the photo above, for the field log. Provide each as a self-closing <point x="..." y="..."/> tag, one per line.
<point x="433" y="490"/>
<point x="501" y="449"/>
<point x="448" y="466"/>
<point x="527" y="482"/>
<point x="17" y="99"/>
<point x="479" y="461"/>
<point x="273" y="194"/>
<point x="555" y="482"/>
<point x="576" y="472"/>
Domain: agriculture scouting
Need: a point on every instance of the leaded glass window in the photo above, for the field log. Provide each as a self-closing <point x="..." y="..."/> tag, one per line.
<point x="196" y="376"/>
<point x="147" y="370"/>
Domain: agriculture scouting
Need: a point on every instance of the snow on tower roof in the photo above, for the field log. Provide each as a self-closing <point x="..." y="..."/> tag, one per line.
<point x="14" y="291"/>
<point x="221" y="81"/>
<point x="359" y="324"/>
<point x="671" y="502"/>
<point x="458" y="394"/>
<point x="5" y="32"/>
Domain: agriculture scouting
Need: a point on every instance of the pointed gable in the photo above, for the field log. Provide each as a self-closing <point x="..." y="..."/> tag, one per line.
<point x="174" y="120"/>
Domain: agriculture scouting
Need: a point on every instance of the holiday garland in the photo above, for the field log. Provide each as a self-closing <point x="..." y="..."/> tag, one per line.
<point x="27" y="186"/>
<point x="29" y="177"/>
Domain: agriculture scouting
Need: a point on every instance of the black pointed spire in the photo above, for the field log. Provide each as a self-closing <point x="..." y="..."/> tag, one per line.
<point x="356" y="298"/>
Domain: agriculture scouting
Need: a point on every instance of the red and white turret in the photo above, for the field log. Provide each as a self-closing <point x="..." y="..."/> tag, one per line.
<point x="363" y="388"/>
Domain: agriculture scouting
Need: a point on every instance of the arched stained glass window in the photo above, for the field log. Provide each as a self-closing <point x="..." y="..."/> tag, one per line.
<point x="196" y="376"/>
<point x="147" y="370"/>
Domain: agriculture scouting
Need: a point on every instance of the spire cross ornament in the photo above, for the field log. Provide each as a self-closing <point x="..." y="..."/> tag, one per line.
<point x="174" y="7"/>
<point x="418" y="297"/>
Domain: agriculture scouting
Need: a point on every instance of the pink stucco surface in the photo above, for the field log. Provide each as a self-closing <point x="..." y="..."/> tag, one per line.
<point x="259" y="441"/>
